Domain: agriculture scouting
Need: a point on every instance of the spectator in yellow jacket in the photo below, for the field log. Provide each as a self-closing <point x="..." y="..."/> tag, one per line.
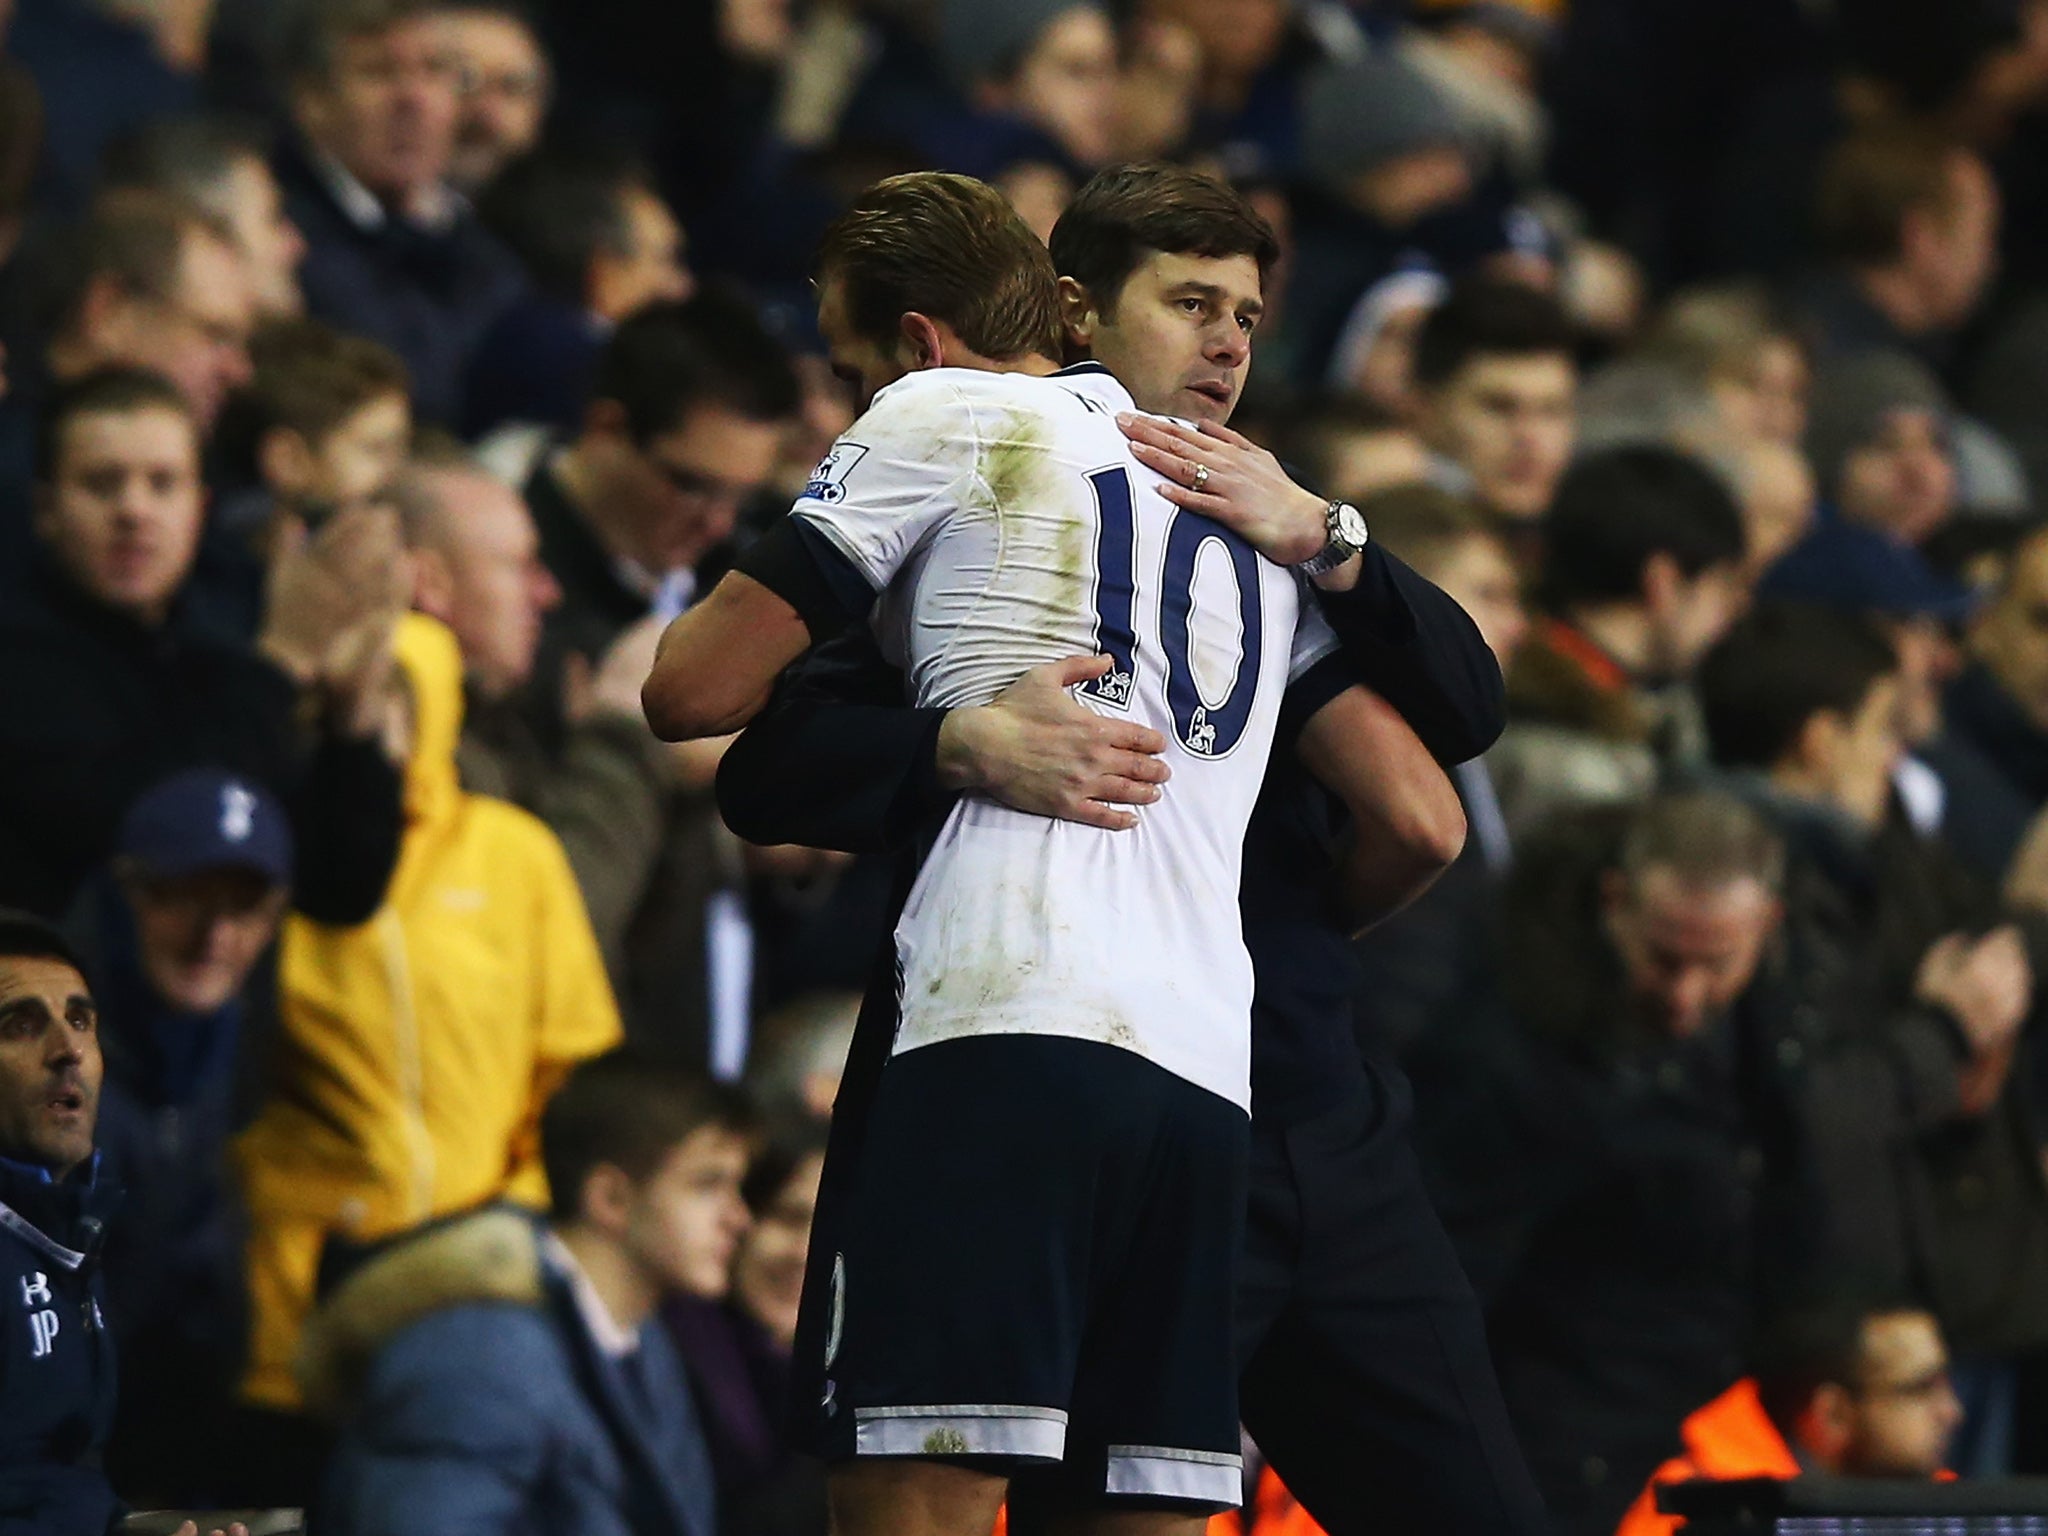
<point x="416" y="1050"/>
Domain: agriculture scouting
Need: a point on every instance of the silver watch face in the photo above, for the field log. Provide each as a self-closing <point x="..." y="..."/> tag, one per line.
<point x="1348" y="524"/>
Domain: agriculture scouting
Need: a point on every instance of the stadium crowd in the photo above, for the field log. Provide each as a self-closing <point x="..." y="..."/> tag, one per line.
<point x="383" y="375"/>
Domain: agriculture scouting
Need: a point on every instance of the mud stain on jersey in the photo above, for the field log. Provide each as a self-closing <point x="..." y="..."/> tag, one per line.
<point x="1046" y="558"/>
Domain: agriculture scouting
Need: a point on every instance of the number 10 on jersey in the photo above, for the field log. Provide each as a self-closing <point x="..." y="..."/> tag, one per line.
<point x="1206" y="728"/>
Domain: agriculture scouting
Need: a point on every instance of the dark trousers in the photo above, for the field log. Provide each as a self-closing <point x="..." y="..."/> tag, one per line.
<point x="1365" y="1375"/>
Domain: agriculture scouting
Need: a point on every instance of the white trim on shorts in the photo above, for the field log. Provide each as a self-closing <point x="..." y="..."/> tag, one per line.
<point x="961" y="1429"/>
<point x="1166" y="1472"/>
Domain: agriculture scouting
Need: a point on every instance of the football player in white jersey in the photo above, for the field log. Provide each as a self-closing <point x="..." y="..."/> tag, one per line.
<point x="1039" y="1254"/>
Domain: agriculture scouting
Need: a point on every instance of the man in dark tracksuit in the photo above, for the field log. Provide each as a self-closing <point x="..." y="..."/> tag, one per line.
<point x="56" y="1355"/>
<point x="1365" y="1380"/>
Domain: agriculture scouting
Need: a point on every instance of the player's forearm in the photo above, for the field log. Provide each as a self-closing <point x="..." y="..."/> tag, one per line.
<point x="717" y="663"/>
<point x="689" y="701"/>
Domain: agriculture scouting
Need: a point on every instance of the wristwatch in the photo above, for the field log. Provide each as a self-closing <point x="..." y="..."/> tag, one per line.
<point x="1346" y="525"/>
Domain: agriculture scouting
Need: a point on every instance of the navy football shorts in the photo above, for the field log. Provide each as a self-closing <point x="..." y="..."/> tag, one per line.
<point x="1032" y="1263"/>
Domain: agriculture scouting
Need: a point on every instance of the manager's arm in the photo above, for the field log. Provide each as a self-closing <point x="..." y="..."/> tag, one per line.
<point x="1406" y="638"/>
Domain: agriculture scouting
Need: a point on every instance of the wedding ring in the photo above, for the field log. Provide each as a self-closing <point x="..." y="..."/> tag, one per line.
<point x="1201" y="476"/>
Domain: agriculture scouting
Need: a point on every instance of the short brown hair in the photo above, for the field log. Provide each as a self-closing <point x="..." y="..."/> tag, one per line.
<point x="628" y="1111"/>
<point x="949" y="247"/>
<point x="135" y="240"/>
<point x="1872" y="179"/>
<point x="310" y="378"/>
<point x="314" y="43"/>
<point x="118" y="390"/>
<point x="1128" y="212"/>
<point x="1706" y="837"/>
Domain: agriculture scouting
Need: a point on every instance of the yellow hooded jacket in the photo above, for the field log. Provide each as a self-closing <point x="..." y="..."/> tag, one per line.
<point x="417" y="1050"/>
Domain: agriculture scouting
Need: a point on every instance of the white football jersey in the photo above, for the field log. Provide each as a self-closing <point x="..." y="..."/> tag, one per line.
<point x="1006" y="524"/>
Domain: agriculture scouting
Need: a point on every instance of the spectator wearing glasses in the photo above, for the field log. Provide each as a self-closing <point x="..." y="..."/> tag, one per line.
<point x="506" y="88"/>
<point x="395" y="252"/>
<point x="222" y="166"/>
<point x="1844" y="1387"/>
<point x="145" y="281"/>
<point x="685" y="424"/>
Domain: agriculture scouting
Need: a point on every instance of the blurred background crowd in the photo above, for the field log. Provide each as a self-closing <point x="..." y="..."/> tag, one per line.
<point x="382" y="374"/>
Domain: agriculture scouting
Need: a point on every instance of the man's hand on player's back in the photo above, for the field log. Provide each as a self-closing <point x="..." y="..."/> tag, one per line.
<point x="1037" y="748"/>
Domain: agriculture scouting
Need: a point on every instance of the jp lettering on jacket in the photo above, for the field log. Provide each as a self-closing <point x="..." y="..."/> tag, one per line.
<point x="42" y="1317"/>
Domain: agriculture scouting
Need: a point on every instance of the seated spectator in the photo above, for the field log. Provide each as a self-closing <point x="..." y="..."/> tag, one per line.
<point x="59" y="1367"/>
<point x="500" y="1374"/>
<point x="685" y="424"/>
<point x="106" y="687"/>
<point x="1843" y="1389"/>
<point x="331" y="420"/>
<point x="180" y="929"/>
<point x="506" y="84"/>
<point x="476" y="568"/>
<point x="419" y="1048"/>
<point x="2000" y="702"/>
<point x="1879" y="438"/>
<point x="1925" y="1154"/>
<point x="738" y="1349"/>
<point x="1494" y="384"/>
<point x="1643" y="571"/>
<point x="1584" y="1132"/>
<point x="155" y="283"/>
<point x="1412" y="964"/>
<point x="600" y="244"/>
<point x="1252" y="57"/>
<point x="1047" y="66"/>
<point x="323" y="429"/>
<point x="1909" y="222"/>
<point x="1382" y="152"/>
<point x="1375" y="355"/>
<point x="1487" y="56"/>
<point x="222" y="167"/>
<point x="394" y="252"/>
<point x="1945" y="786"/>
<point x="145" y="281"/>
